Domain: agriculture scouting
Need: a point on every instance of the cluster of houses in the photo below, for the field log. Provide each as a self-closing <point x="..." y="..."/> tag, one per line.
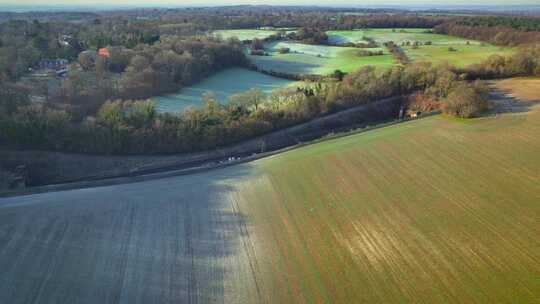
<point x="61" y="66"/>
<point x="45" y="66"/>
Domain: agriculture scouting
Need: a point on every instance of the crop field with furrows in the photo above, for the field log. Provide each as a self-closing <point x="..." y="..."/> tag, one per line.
<point x="317" y="59"/>
<point x="460" y="56"/>
<point x="522" y="88"/>
<point x="436" y="210"/>
<point x="223" y="85"/>
<point x="177" y="240"/>
<point x="430" y="211"/>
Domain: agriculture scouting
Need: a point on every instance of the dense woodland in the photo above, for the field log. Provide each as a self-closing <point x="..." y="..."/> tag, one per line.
<point x="100" y="107"/>
<point x="498" y="35"/>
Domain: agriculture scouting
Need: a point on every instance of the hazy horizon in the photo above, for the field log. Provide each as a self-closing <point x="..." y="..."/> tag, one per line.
<point x="96" y="4"/>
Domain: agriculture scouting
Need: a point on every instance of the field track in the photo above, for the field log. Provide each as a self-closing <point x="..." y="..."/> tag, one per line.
<point x="430" y="211"/>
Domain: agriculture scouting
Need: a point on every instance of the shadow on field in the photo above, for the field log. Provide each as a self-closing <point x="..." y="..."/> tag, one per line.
<point x="174" y="240"/>
<point x="505" y="102"/>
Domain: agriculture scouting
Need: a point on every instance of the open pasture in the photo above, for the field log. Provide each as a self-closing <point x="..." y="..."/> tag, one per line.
<point x="435" y="210"/>
<point x="397" y="35"/>
<point x="323" y="60"/>
<point x="462" y="55"/>
<point x="223" y="85"/>
<point x="317" y="59"/>
<point x="466" y="51"/>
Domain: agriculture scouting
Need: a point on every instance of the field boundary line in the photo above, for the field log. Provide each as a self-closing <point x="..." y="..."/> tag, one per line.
<point x="203" y="168"/>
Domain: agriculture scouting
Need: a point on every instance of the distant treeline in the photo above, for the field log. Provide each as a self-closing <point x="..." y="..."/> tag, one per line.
<point x="525" y="24"/>
<point x="350" y="22"/>
<point x="498" y="35"/>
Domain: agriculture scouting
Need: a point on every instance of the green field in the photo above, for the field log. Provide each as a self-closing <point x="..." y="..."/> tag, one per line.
<point x="306" y="59"/>
<point x="317" y="59"/>
<point x="435" y="210"/>
<point x="463" y="55"/>
<point x="468" y="51"/>
<point x="430" y="211"/>
<point x="222" y="84"/>
<point x="323" y="60"/>
<point x="397" y="35"/>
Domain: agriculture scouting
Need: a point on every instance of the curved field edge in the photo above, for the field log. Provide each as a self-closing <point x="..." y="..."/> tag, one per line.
<point x="221" y="86"/>
<point x="433" y="210"/>
<point x="306" y="59"/>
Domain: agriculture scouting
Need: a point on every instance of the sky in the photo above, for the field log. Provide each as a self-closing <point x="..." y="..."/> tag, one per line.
<point x="349" y="3"/>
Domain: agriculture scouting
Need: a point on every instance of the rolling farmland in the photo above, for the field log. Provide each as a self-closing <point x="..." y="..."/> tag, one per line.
<point x="397" y="35"/>
<point x="466" y="51"/>
<point x="462" y="55"/>
<point x="436" y="210"/>
<point x="323" y="59"/>
<point x="304" y="59"/>
<point x="317" y="59"/>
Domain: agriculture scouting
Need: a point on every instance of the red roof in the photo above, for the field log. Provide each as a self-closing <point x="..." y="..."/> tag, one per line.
<point x="104" y="52"/>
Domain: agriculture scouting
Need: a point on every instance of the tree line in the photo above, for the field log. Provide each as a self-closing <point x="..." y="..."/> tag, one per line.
<point x="498" y="35"/>
<point x="145" y="71"/>
<point x="98" y="108"/>
<point x="127" y="127"/>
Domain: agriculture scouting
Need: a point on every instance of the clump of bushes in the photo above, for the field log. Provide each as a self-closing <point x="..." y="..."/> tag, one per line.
<point x="421" y="102"/>
<point x="397" y="51"/>
<point x="257" y="48"/>
<point x="284" y="50"/>
<point x="371" y="43"/>
<point x="466" y="100"/>
<point x="364" y="53"/>
<point x="258" y="53"/>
